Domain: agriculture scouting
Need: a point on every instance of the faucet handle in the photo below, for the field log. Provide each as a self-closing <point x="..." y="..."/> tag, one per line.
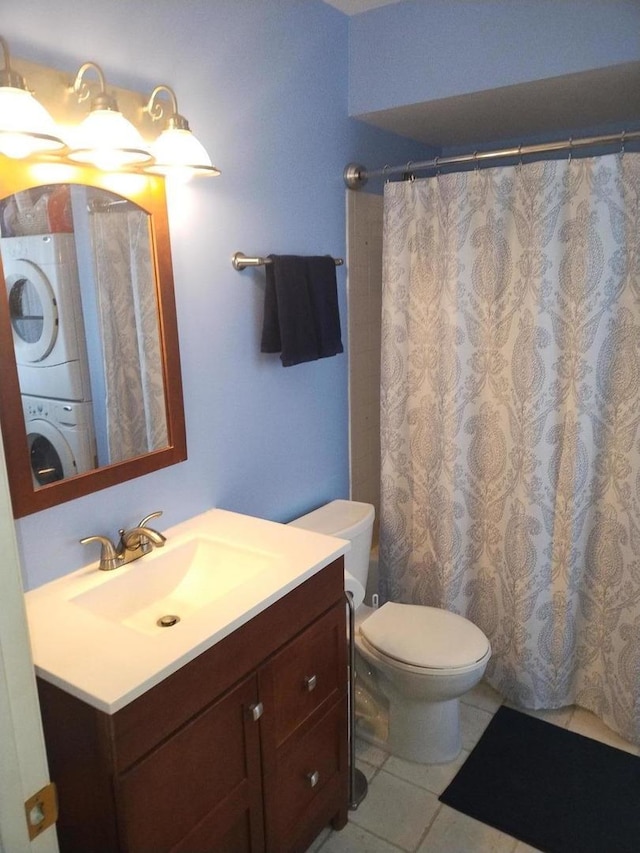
<point x="145" y="541"/>
<point x="108" y="556"/>
<point x="149" y="517"/>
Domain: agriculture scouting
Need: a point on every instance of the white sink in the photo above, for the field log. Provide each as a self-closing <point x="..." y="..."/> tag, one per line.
<point x="95" y="634"/>
<point x="176" y="583"/>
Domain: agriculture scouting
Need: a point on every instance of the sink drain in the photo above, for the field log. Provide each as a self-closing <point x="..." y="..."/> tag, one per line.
<point x="168" y="620"/>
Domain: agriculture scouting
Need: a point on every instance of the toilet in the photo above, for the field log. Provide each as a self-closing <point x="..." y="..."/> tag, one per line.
<point x="413" y="662"/>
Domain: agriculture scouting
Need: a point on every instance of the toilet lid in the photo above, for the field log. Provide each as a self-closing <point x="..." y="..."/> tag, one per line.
<point x="424" y="636"/>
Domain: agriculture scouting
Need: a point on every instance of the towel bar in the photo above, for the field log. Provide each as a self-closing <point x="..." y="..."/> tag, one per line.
<point x="240" y="261"/>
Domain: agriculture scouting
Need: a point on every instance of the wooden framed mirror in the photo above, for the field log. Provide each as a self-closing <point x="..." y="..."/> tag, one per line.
<point x="90" y="382"/>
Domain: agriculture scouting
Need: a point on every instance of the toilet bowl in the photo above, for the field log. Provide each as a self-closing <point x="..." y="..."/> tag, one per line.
<point x="425" y="659"/>
<point x="413" y="662"/>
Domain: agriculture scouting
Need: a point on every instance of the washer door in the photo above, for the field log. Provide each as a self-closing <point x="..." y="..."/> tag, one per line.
<point x="33" y="310"/>
<point x="50" y="456"/>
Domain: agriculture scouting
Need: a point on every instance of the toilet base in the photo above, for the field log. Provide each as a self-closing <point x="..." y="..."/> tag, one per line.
<point x="425" y="732"/>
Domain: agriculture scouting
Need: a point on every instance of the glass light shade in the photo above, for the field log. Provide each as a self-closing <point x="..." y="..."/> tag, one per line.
<point x="106" y="139"/>
<point x="179" y="155"/>
<point x="25" y="126"/>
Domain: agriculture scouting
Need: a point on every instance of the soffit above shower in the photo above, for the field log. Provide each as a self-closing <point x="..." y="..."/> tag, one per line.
<point x="578" y="102"/>
<point x="354" y="7"/>
<point x="582" y="101"/>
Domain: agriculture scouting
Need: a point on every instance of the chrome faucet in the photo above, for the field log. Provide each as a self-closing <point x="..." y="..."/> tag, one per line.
<point x="133" y="544"/>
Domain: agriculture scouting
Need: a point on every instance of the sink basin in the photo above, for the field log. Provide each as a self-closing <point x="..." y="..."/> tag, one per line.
<point x="178" y="582"/>
<point x="95" y="634"/>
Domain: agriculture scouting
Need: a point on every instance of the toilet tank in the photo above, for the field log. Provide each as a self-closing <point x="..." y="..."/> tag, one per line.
<point x="350" y="520"/>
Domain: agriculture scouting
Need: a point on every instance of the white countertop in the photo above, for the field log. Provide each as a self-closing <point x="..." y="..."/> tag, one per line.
<point x="108" y="663"/>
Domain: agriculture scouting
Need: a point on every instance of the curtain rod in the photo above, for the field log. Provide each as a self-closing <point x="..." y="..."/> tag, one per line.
<point x="356" y="176"/>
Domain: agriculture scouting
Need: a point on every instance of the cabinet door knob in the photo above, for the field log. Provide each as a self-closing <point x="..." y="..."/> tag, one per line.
<point x="313" y="778"/>
<point x="310" y="682"/>
<point x="256" y="710"/>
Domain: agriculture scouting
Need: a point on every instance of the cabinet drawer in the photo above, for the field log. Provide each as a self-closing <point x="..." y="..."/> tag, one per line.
<point x="310" y="671"/>
<point x="305" y="781"/>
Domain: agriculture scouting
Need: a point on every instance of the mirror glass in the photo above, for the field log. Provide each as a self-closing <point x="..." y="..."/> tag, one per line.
<point x="90" y="331"/>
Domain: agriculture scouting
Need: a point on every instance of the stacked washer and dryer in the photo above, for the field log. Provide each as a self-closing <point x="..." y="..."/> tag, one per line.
<point x="43" y="287"/>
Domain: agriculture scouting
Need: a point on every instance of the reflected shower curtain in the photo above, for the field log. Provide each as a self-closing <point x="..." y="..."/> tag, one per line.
<point x="510" y="421"/>
<point x="129" y="316"/>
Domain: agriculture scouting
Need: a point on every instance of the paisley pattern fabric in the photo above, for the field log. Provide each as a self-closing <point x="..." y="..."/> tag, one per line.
<point x="510" y="421"/>
<point x="128" y="307"/>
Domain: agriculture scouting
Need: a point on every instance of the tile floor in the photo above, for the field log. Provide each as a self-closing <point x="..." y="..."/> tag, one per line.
<point x="402" y="812"/>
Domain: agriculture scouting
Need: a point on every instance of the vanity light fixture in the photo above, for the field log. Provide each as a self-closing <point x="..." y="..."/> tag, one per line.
<point x="26" y="127"/>
<point x="176" y="152"/>
<point x="105" y="138"/>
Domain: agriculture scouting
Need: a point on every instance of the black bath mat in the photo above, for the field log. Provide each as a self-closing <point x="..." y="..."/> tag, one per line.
<point x="551" y="788"/>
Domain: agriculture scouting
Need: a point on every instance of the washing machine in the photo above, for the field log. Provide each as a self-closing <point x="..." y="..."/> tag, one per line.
<point x="41" y="276"/>
<point x="61" y="438"/>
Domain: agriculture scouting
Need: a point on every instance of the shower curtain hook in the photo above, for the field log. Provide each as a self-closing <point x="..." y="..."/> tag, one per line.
<point x="476" y="164"/>
<point x="436" y="166"/>
<point x="622" y="142"/>
<point x="520" y="154"/>
<point x="410" y="175"/>
<point x="385" y="172"/>
<point x="570" y="148"/>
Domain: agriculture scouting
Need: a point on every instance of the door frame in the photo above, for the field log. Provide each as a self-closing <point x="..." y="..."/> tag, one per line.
<point x="23" y="769"/>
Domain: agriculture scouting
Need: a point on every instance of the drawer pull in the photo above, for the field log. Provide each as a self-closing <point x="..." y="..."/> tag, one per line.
<point x="256" y="711"/>
<point x="310" y="682"/>
<point x="313" y="778"/>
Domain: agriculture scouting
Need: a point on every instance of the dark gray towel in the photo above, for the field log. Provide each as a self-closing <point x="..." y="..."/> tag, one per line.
<point x="301" y="316"/>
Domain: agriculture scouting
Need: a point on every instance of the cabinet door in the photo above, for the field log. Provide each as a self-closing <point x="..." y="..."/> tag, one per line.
<point x="201" y="790"/>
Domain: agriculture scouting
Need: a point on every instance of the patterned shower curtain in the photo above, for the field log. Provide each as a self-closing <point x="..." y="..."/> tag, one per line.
<point x="128" y="308"/>
<point x="510" y="410"/>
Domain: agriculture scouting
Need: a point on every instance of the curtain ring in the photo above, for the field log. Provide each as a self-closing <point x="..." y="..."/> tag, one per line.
<point x="622" y="142"/>
<point x="570" y="148"/>
<point x="476" y="164"/>
<point x="520" y="154"/>
<point x="436" y="161"/>
<point x="385" y="172"/>
<point x="411" y="174"/>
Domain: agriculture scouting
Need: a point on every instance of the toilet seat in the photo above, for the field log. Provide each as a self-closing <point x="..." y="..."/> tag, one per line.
<point x="424" y="638"/>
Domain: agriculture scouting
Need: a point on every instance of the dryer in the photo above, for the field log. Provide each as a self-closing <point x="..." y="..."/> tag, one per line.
<point x="61" y="438"/>
<point x="41" y="276"/>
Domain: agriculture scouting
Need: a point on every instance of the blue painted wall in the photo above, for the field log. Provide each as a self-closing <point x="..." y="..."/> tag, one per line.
<point x="264" y="86"/>
<point x="418" y="51"/>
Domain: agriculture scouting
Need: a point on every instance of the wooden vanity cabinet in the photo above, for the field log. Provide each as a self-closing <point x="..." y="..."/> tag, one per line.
<point x="243" y="749"/>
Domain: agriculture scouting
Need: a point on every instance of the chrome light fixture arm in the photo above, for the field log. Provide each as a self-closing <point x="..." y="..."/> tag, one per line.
<point x="156" y="110"/>
<point x="81" y="88"/>
<point x="9" y="77"/>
